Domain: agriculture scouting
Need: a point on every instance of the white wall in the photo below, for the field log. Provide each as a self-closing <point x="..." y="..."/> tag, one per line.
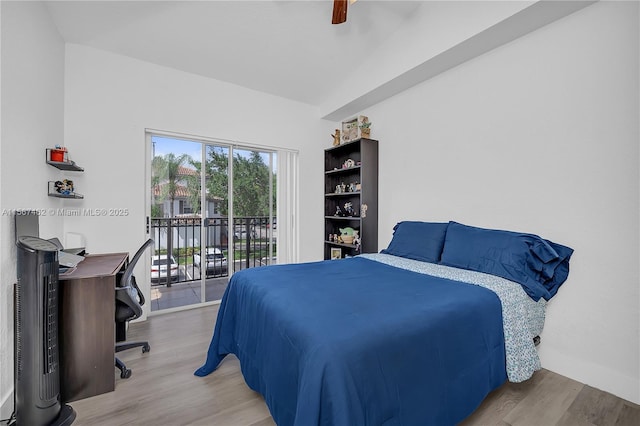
<point x="435" y="27"/>
<point x="540" y="135"/>
<point x="111" y="99"/>
<point x="32" y="111"/>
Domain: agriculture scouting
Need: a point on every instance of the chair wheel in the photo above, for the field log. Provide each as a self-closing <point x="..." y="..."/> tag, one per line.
<point x="125" y="374"/>
<point x="146" y="348"/>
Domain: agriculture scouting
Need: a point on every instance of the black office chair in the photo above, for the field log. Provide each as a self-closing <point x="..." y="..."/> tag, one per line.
<point x="129" y="301"/>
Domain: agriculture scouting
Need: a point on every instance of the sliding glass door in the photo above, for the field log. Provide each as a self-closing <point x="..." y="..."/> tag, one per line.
<point x="213" y="212"/>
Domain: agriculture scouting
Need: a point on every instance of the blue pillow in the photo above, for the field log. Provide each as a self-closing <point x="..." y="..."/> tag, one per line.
<point x="527" y="259"/>
<point x="418" y="240"/>
<point x="560" y="268"/>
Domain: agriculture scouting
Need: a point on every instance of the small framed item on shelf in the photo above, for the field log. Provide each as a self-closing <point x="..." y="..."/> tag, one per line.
<point x="336" y="253"/>
<point x="352" y="128"/>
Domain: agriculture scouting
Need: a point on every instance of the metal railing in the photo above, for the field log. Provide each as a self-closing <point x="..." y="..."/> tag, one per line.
<point x="187" y="252"/>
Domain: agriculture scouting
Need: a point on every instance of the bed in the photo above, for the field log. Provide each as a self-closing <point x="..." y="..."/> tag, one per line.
<point x="417" y="334"/>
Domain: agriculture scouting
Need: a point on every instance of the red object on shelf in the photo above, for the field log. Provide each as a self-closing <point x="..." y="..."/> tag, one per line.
<point x="57" y="155"/>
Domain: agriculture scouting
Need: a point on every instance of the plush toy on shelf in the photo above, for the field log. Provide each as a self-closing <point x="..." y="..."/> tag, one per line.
<point x="347" y="234"/>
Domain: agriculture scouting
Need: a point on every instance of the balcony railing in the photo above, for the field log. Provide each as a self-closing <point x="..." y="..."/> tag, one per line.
<point x="184" y="251"/>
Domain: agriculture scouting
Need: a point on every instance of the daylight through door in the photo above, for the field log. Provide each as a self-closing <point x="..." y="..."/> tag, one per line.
<point x="213" y="212"/>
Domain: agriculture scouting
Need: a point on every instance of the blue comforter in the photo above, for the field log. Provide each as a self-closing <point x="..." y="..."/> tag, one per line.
<point x="357" y="342"/>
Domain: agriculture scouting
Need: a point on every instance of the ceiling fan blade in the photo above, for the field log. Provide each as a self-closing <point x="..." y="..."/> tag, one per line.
<point x="339" y="11"/>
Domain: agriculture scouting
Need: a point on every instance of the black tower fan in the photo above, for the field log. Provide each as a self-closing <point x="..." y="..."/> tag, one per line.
<point x="37" y="370"/>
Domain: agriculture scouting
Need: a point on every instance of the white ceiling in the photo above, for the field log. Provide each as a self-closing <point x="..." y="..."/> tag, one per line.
<point x="285" y="48"/>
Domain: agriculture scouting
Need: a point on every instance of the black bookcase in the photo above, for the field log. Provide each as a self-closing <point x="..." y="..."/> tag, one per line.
<point x="351" y="176"/>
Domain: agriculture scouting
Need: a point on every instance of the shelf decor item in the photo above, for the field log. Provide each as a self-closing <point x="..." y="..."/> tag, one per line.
<point x="356" y="240"/>
<point x="336" y="253"/>
<point x="348" y="234"/>
<point x="348" y="164"/>
<point x="352" y="130"/>
<point x="336" y="138"/>
<point x="58" y="154"/>
<point x="62" y="189"/>
<point x="365" y="128"/>
<point x="348" y="209"/>
<point x="58" y="158"/>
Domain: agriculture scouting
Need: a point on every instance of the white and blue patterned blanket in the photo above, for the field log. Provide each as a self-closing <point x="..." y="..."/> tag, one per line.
<point x="523" y="318"/>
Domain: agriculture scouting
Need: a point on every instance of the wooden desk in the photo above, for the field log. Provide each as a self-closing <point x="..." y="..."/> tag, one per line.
<point x="87" y="326"/>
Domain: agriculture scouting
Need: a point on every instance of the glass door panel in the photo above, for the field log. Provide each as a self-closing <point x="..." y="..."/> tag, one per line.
<point x="254" y="208"/>
<point x="174" y="222"/>
<point x="215" y="201"/>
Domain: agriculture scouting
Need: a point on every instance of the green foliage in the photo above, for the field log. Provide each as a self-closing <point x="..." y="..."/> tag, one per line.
<point x="216" y="176"/>
<point x="250" y="184"/>
<point x="251" y="180"/>
<point x="193" y="186"/>
<point x="183" y="255"/>
<point x="165" y="171"/>
<point x="156" y="210"/>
